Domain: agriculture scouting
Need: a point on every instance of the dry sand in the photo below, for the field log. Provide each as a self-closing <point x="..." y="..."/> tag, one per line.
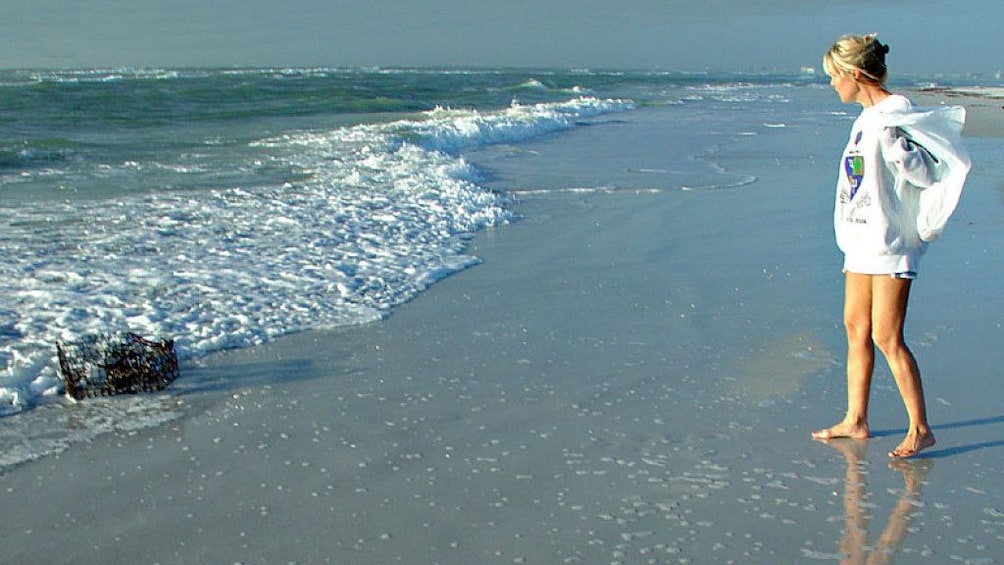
<point x="621" y="381"/>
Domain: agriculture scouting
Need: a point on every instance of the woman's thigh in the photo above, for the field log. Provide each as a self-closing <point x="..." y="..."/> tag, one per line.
<point x="858" y="305"/>
<point x="889" y="301"/>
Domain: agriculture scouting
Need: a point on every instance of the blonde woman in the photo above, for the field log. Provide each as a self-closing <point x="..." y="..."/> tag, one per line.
<point x="901" y="175"/>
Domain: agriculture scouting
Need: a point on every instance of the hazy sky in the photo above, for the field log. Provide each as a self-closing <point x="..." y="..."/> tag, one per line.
<point x="926" y="36"/>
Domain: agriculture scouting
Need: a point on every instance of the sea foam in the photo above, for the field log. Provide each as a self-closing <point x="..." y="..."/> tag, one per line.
<point x="382" y="211"/>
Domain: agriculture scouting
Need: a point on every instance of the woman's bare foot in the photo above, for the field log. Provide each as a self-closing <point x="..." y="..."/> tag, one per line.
<point x="843" y="429"/>
<point x="914" y="442"/>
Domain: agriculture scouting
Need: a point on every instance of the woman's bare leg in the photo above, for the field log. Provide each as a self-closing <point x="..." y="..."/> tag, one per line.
<point x="860" y="358"/>
<point x="889" y="301"/>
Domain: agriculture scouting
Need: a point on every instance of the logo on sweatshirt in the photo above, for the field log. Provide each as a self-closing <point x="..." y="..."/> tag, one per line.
<point x="854" y="168"/>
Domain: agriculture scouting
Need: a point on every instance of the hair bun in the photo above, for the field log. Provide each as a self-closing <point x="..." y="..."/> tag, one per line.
<point x="876" y="46"/>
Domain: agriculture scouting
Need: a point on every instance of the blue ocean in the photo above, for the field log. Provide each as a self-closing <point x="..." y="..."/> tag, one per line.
<point x="224" y="208"/>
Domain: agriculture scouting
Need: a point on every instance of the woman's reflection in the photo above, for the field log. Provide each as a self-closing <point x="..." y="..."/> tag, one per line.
<point x="855" y="545"/>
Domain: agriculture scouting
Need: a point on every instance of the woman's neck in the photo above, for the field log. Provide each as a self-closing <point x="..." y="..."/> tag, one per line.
<point x="870" y="95"/>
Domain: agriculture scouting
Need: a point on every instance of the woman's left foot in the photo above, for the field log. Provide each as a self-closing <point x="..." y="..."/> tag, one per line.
<point x="914" y="443"/>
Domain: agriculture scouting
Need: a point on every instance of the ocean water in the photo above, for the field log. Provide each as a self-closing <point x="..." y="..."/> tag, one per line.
<point x="226" y="207"/>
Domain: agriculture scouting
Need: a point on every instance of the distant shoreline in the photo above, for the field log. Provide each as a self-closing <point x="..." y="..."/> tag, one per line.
<point x="984" y="106"/>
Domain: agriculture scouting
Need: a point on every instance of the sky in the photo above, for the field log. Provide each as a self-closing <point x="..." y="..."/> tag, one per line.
<point x="926" y="36"/>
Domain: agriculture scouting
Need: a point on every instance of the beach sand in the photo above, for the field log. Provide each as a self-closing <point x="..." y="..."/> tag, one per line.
<point x="630" y="376"/>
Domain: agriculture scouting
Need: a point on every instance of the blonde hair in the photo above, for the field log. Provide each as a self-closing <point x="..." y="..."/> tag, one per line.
<point x="862" y="53"/>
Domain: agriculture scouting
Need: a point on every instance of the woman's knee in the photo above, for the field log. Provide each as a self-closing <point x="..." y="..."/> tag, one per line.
<point x="859" y="328"/>
<point x="889" y="341"/>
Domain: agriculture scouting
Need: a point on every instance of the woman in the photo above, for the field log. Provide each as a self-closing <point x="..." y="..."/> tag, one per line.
<point x="899" y="182"/>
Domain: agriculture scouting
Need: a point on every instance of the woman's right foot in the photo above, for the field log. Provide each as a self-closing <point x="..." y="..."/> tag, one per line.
<point x="912" y="444"/>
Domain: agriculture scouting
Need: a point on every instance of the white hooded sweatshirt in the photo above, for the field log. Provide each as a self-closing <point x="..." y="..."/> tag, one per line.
<point x="901" y="176"/>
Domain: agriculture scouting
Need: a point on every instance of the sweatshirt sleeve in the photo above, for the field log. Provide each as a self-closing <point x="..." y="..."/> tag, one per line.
<point x="909" y="159"/>
<point x="937" y="130"/>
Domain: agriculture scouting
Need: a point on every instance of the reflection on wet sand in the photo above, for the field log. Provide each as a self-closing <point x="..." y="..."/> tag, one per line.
<point x="855" y="545"/>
